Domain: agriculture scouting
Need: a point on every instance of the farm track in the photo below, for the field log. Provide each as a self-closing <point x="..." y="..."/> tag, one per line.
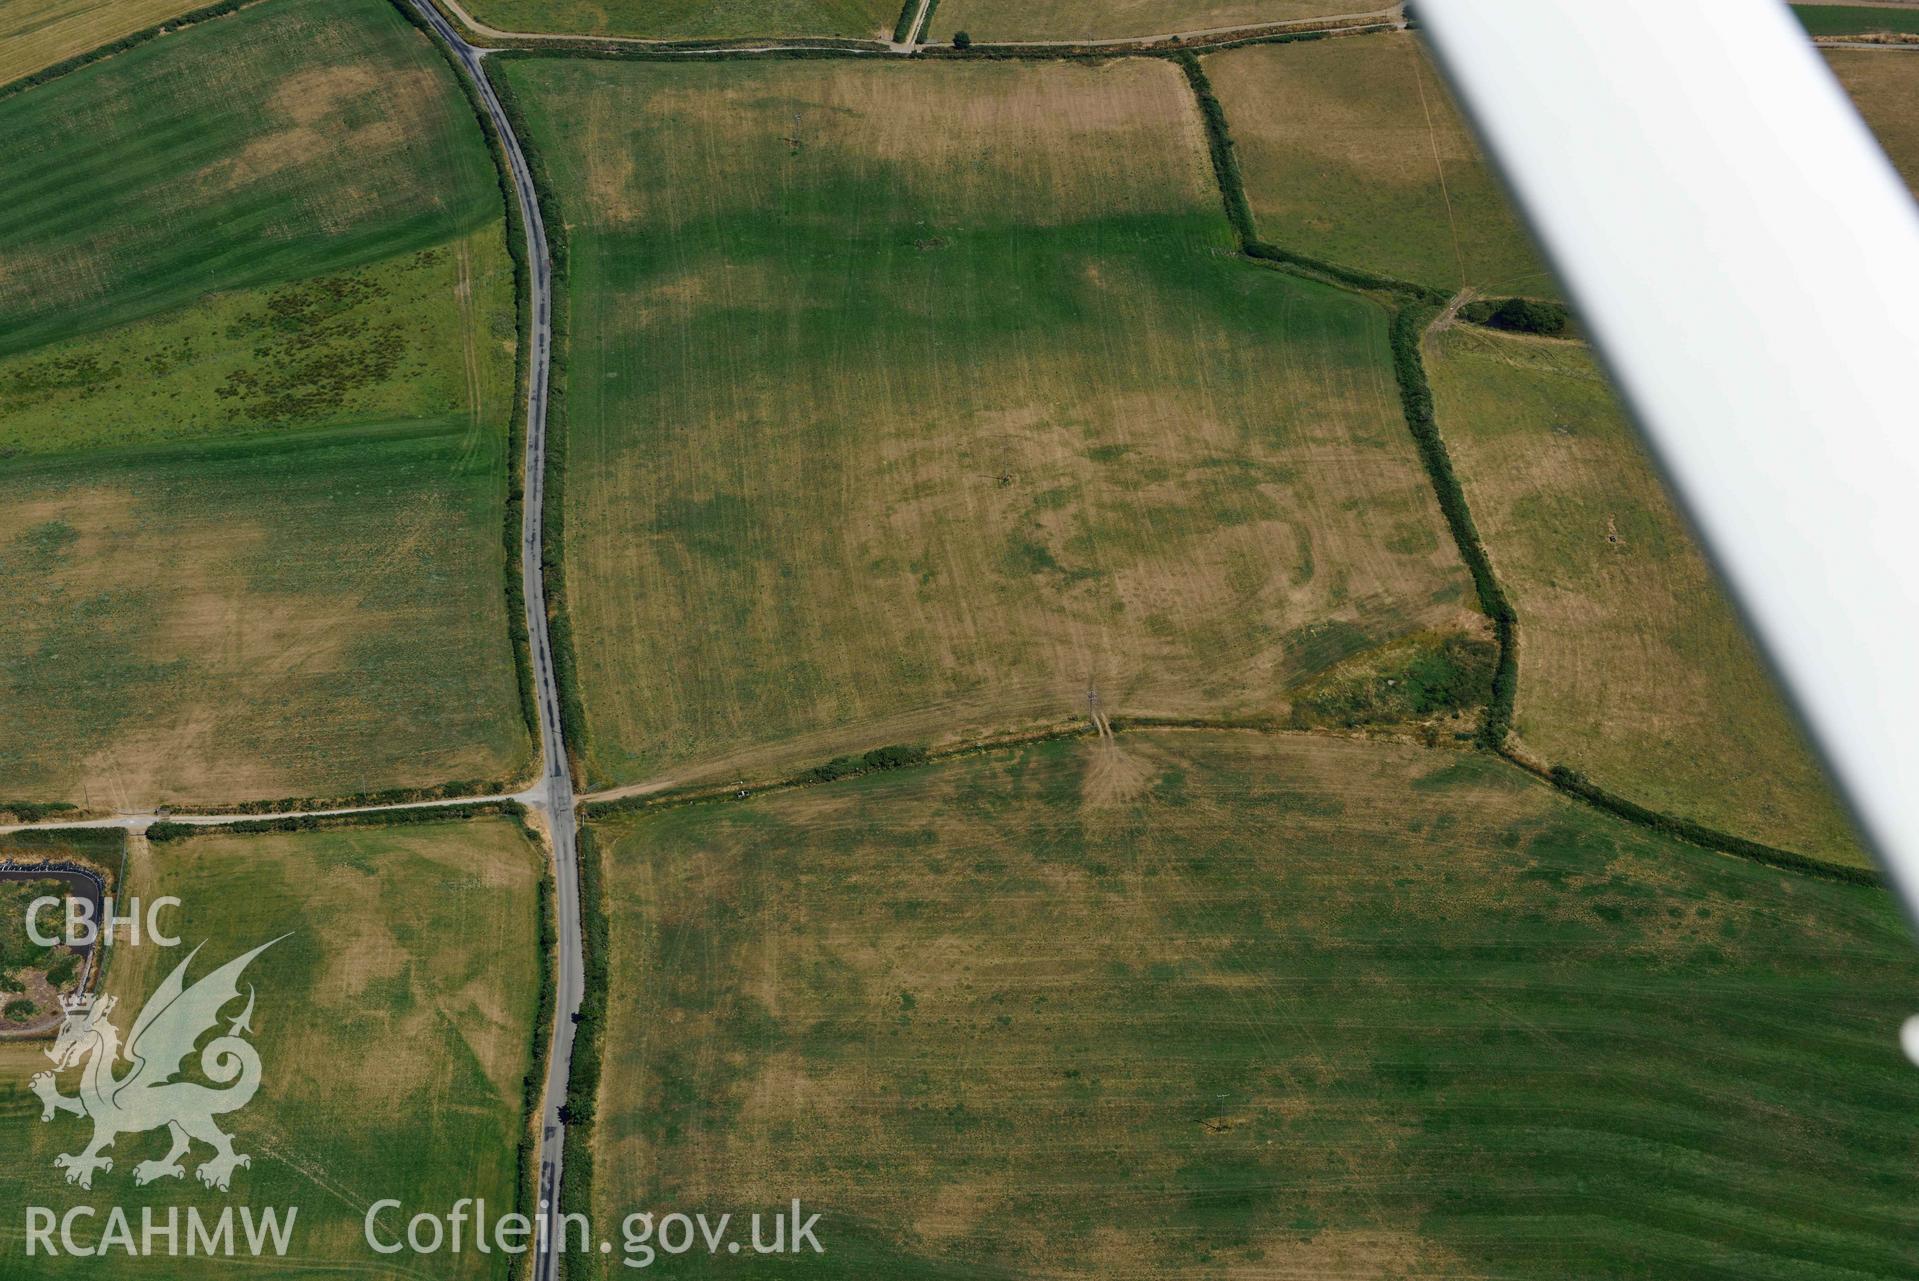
<point x="915" y="41"/>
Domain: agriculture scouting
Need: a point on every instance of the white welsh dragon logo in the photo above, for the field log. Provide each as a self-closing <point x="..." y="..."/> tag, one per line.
<point x="148" y="1096"/>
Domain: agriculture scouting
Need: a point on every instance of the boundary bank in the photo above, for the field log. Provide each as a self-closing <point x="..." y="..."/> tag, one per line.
<point x="1413" y="308"/>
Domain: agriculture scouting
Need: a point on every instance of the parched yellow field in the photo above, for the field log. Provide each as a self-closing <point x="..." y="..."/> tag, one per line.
<point x="1884" y="85"/>
<point x="394" y="1025"/>
<point x="949" y="410"/>
<point x="257" y="618"/>
<point x="1633" y="667"/>
<point x="1006" y="20"/>
<point x="39" y="33"/>
<point x="1247" y="1006"/>
<point x="1353" y="151"/>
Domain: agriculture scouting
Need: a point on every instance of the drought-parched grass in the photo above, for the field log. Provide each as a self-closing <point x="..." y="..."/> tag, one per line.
<point x="39" y="33"/>
<point x="1203" y="1005"/>
<point x="314" y="613"/>
<point x="908" y="402"/>
<point x="990" y="20"/>
<point x="1633" y="667"/>
<point x="296" y="139"/>
<point x="394" y="1027"/>
<point x="1353" y="151"/>
<point x="428" y="334"/>
<point x="689" y="19"/>
<point x="1885" y="88"/>
<point x="1855" y="20"/>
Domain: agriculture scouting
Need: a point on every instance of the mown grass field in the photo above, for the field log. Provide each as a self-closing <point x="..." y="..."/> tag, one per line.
<point x="1633" y="667"/>
<point x="690" y="19"/>
<point x="146" y="188"/>
<point x="1853" y="20"/>
<point x="1353" y="151"/>
<point x="394" y="1027"/>
<point x="1885" y="88"/>
<point x="311" y="614"/>
<point x="949" y="410"/>
<point x="255" y="374"/>
<point x="39" y="33"/>
<point x="992" y="20"/>
<point x="1207" y="1005"/>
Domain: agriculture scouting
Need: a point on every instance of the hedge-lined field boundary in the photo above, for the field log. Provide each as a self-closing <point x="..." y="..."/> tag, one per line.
<point x="1574" y="783"/>
<point x="389" y="798"/>
<point x="514" y="517"/>
<point x="35" y="811"/>
<point x="1413" y="308"/>
<point x="589" y="1034"/>
<point x="533" y="1085"/>
<point x="1416" y="398"/>
<point x="164" y="831"/>
<point x="559" y="621"/>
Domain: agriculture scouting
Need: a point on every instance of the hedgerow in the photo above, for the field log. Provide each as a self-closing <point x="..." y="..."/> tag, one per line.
<point x="1575" y="783"/>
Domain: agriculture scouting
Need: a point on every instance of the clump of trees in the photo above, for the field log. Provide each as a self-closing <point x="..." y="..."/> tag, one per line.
<point x="962" y="40"/>
<point x="1521" y="316"/>
<point x="880" y="758"/>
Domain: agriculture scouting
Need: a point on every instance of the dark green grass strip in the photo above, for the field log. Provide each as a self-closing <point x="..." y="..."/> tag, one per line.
<point x="1854" y="20"/>
<point x="904" y="27"/>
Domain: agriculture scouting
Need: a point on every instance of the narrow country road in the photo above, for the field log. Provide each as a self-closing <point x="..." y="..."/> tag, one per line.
<point x="556" y="783"/>
<point x="915" y="38"/>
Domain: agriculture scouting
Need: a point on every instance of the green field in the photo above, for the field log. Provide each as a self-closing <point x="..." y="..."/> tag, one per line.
<point x="1207" y="1005"/>
<point x="688" y="19"/>
<point x="1853" y="20"/>
<point x="1352" y="151"/>
<point x="998" y="20"/>
<point x="428" y="334"/>
<point x="1633" y="667"/>
<point x="146" y="189"/>
<point x="393" y="1025"/>
<point x="39" y="33"/>
<point x="255" y="374"/>
<point x="951" y="410"/>
<point x="311" y="614"/>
